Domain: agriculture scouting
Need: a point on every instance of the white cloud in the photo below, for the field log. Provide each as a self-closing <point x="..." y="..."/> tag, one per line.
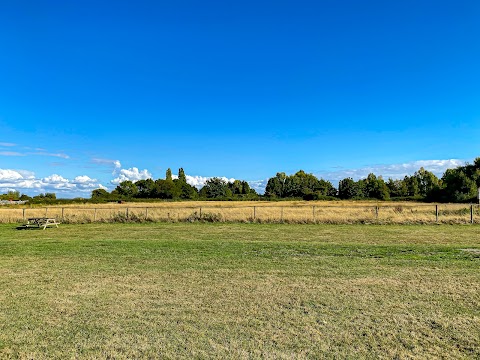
<point x="394" y="171"/>
<point x="60" y="155"/>
<point x="26" y="174"/>
<point x="56" y="182"/>
<point x="16" y="153"/>
<point x="132" y="174"/>
<point x="38" y="151"/>
<point x="199" y="181"/>
<point x="102" y="161"/>
<point x="84" y="179"/>
<point x="9" y="175"/>
<point x="258" y="185"/>
<point x="11" y="153"/>
<point x="54" y="178"/>
<point x="86" y="183"/>
<point x="24" y="180"/>
<point x="115" y="163"/>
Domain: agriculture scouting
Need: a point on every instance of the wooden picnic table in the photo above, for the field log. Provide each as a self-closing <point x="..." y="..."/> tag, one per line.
<point x="41" y="222"/>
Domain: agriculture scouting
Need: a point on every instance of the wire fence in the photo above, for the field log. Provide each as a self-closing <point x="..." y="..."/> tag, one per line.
<point x="344" y="214"/>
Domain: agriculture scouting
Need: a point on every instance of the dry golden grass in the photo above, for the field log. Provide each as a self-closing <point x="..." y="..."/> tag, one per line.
<point x="334" y="212"/>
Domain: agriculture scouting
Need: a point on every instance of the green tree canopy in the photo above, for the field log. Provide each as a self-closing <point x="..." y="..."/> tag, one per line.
<point x="458" y="187"/>
<point x="375" y="188"/>
<point x="181" y="175"/>
<point x="100" y="194"/>
<point x="146" y="188"/>
<point x="215" y="188"/>
<point x="300" y="184"/>
<point x="348" y="189"/>
<point x="168" y="175"/>
<point x="127" y="189"/>
<point x="427" y="182"/>
<point x="185" y="191"/>
<point x="276" y="185"/>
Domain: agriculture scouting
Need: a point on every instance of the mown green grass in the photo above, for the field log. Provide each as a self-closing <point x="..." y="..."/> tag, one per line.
<point x="240" y="291"/>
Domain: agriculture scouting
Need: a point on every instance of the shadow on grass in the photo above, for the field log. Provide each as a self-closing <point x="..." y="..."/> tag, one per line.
<point x="24" y="227"/>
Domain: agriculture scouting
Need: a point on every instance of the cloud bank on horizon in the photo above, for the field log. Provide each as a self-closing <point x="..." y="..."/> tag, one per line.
<point x="27" y="182"/>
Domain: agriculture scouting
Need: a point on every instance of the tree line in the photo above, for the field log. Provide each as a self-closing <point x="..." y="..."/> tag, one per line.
<point x="177" y="189"/>
<point x="456" y="185"/>
<point x="14" y="195"/>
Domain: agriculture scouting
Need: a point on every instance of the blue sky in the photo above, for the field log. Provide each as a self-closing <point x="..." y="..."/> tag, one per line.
<point x="94" y="92"/>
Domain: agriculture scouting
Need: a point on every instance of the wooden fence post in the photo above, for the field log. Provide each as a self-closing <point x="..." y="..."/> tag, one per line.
<point x="23" y="214"/>
<point x="146" y="213"/>
<point x="254" y="212"/>
<point x="126" y="213"/>
<point x="62" y="214"/>
<point x="94" y="214"/>
<point x="436" y="213"/>
<point x="471" y="214"/>
<point x="200" y="212"/>
<point x="281" y="215"/>
<point x="46" y="210"/>
<point x="376" y="212"/>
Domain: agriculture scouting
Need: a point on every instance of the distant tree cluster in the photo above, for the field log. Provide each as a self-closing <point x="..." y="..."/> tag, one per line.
<point x="456" y="185"/>
<point x="10" y="195"/>
<point x="15" y="195"/>
<point x="46" y="196"/>
<point x="216" y="188"/>
<point x="299" y="185"/>
<point x="460" y="184"/>
<point x="176" y="189"/>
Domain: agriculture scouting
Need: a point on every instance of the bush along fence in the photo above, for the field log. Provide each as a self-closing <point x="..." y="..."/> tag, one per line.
<point x="304" y="214"/>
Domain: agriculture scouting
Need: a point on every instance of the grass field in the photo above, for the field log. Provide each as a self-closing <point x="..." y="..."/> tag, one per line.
<point x="274" y="291"/>
<point x="301" y="212"/>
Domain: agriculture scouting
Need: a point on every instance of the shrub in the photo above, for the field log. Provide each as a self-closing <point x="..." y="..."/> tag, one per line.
<point x="204" y="217"/>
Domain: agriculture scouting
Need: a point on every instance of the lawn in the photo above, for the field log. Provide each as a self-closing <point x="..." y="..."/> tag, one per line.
<point x="278" y="291"/>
